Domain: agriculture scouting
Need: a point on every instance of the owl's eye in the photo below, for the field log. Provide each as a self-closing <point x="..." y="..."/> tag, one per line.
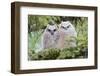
<point x="55" y="30"/>
<point x="65" y="27"/>
<point x="62" y="27"/>
<point x="68" y="26"/>
<point x="48" y="30"/>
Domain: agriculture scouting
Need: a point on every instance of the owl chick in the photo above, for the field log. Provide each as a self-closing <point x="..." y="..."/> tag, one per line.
<point x="67" y="34"/>
<point x="50" y="36"/>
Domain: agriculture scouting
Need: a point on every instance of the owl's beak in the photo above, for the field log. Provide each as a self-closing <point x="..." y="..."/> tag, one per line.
<point x="52" y="33"/>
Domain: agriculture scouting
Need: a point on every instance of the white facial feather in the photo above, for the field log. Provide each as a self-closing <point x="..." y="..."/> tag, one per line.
<point x="50" y="36"/>
<point x="51" y="27"/>
<point x="68" y="28"/>
<point x="67" y="34"/>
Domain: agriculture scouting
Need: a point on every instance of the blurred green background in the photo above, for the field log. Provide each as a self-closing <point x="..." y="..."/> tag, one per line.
<point x="36" y="26"/>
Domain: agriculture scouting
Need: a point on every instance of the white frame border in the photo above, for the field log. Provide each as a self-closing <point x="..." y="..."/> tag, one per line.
<point x="25" y="64"/>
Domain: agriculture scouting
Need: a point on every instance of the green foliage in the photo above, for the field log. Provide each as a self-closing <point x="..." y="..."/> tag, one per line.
<point x="36" y="26"/>
<point x="46" y="54"/>
<point x="40" y="22"/>
<point x="33" y="39"/>
<point x="51" y="54"/>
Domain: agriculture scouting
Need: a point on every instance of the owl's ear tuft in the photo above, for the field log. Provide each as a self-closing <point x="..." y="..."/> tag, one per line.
<point x="51" y="22"/>
<point x="57" y="26"/>
<point x="69" y="22"/>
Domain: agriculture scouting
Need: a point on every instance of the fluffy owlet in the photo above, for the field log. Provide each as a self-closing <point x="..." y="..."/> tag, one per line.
<point x="67" y="34"/>
<point x="50" y="36"/>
